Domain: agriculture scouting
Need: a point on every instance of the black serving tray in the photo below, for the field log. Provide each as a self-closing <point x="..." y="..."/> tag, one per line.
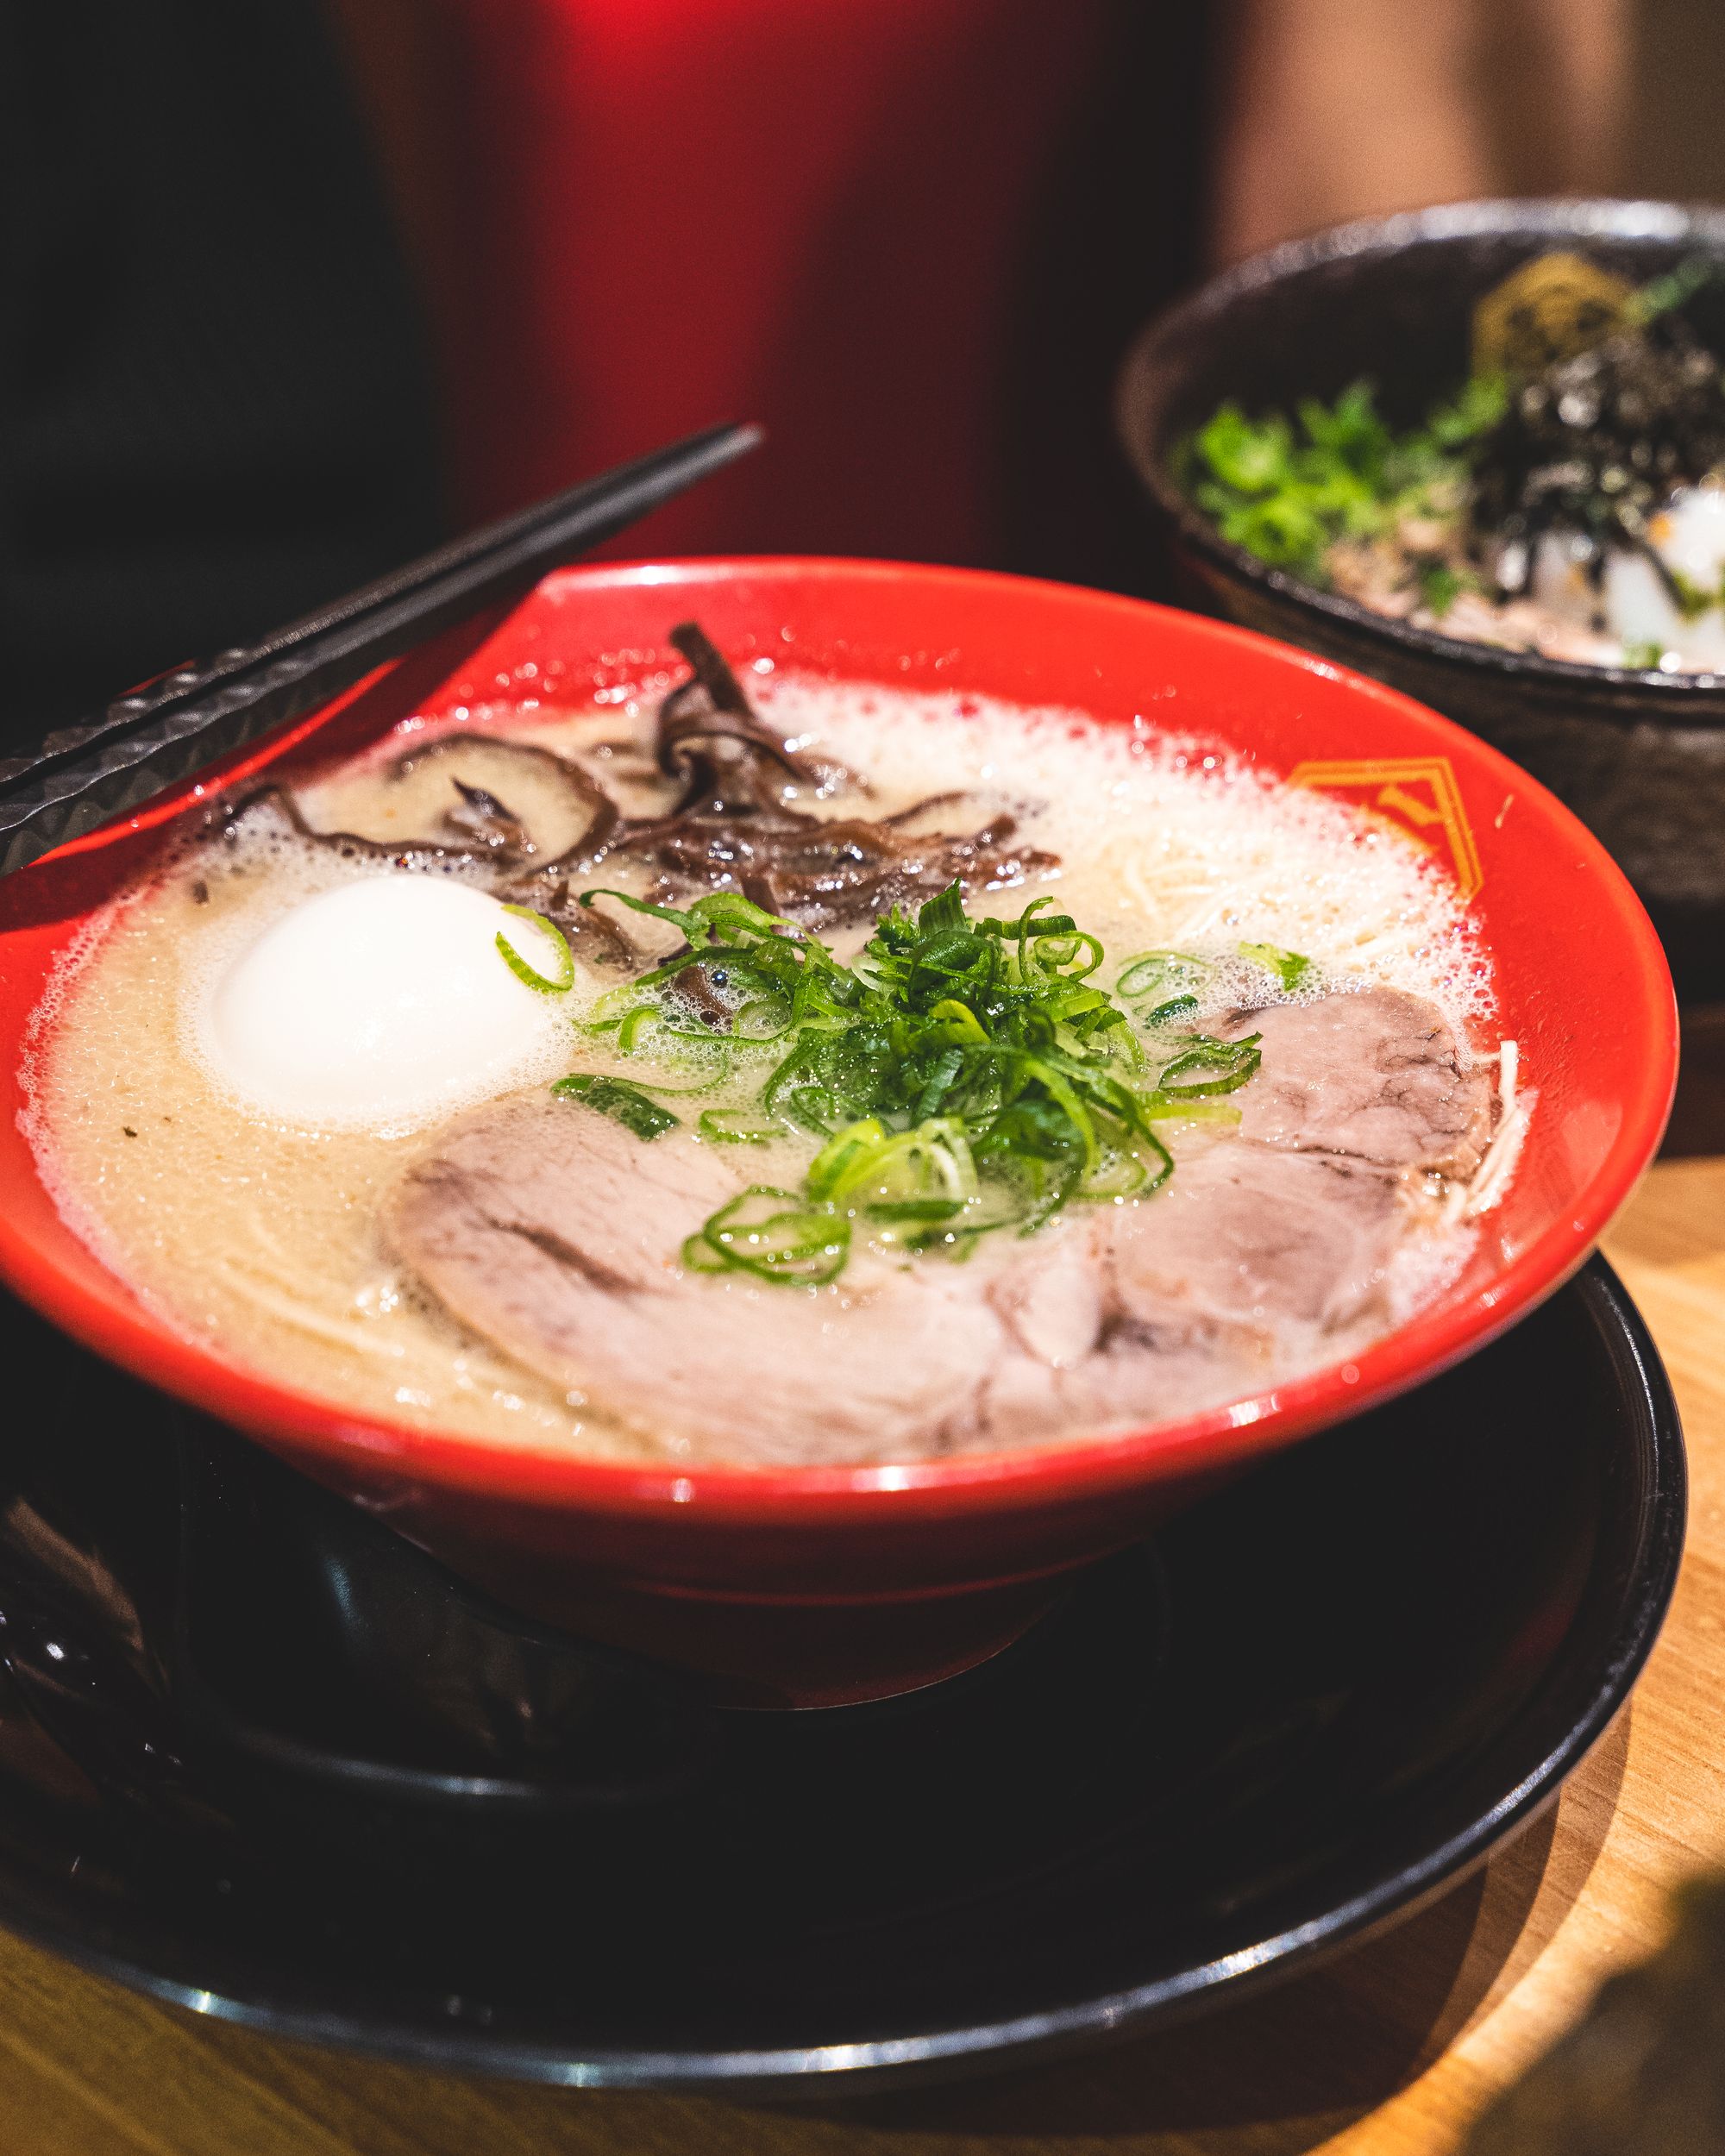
<point x="259" y="1757"/>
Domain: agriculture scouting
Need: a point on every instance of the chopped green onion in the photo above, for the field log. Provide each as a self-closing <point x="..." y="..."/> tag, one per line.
<point x="764" y="1020"/>
<point x="629" y="1028"/>
<point x="1026" y="925"/>
<point x="1130" y="1174"/>
<point x="945" y="912"/>
<point x="1439" y="585"/>
<point x="1232" y="1062"/>
<point x="1675" y="289"/>
<point x="1289" y="967"/>
<point x="1152" y="973"/>
<point x="1123" y="1176"/>
<point x="519" y="967"/>
<point x="961" y="1076"/>
<point x="774" y="1235"/>
<point x="1692" y="599"/>
<point x="615" y="1097"/>
<point x="1167" y="1107"/>
<point x="1289" y="493"/>
<point x="832" y="1167"/>
<point x="966" y="1026"/>
<point x="738" y="1126"/>
<point x="698" y="1255"/>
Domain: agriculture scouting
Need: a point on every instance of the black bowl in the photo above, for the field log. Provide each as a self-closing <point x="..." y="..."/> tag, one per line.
<point x="1640" y="756"/>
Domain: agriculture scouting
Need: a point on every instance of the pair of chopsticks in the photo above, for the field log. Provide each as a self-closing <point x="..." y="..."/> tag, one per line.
<point x="175" y="725"/>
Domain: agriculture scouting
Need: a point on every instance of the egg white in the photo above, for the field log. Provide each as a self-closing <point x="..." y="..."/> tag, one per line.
<point x="381" y="1003"/>
<point x="1689" y="536"/>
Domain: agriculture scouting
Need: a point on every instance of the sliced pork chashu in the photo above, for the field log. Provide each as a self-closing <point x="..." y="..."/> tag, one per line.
<point x="553" y="1231"/>
<point x="1375" y="1074"/>
<point x="1143" y="1312"/>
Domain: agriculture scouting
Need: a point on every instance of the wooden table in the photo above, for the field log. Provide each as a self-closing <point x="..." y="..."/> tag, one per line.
<point x="1389" y="2051"/>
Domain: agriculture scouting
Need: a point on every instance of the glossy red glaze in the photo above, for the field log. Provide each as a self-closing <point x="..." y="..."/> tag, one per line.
<point x="829" y="1563"/>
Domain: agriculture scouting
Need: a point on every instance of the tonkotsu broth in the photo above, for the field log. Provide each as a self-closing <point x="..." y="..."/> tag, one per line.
<point x="260" y="1238"/>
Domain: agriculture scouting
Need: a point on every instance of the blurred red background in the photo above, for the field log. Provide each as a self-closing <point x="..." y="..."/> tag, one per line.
<point x="294" y="288"/>
<point x="635" y="217"/>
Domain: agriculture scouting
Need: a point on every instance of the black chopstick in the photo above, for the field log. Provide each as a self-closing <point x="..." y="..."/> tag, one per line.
<point x="171" y="727"/>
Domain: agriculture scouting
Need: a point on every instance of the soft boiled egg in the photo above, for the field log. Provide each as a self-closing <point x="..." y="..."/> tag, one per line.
<point x="1629" y="598"/>
<point x="1689" y="536"/>
<point x="382" y="1001"/>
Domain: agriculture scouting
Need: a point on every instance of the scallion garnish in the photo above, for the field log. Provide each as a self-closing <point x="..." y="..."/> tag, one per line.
<point x="615" y="1097"/>
<point x="1286" y="490"/>
<point x="962" y="1075"/>
<point x="1289" y="968"/>
<point x="520" y="968"/>
<point x="774" y="1234"/>
<point x="1126" y="1175"/>
<point x="738" y="1126"/>
<point x="1163" y="986"/>
<point x="1221" y="1067"/>
<point x="1440" y="585"/>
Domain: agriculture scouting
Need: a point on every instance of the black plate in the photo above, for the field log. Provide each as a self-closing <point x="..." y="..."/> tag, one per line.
<point x="318" y="1788"/>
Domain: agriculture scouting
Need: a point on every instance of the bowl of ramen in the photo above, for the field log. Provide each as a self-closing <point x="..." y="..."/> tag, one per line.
<point x="767" y="1111"/>
<point x="1479" y="452"/>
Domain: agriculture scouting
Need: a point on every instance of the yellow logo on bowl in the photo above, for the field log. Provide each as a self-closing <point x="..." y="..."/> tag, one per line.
<point x="1418" y="795"/>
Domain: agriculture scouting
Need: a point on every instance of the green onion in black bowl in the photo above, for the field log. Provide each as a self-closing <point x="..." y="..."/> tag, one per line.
<point x="1242" y="413"/>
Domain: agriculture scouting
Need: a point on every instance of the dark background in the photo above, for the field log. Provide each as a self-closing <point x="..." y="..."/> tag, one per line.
<point x="293" y="288"/>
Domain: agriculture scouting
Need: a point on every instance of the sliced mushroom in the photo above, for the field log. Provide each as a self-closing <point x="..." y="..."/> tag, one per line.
<point x="593" y="936"/>
<point x="712" y="738"/>
<point x="732" y="826"/>
<point x="509" y="799"/>
<point x="234" y="815"/>
<point x="537" y="819"/>
<point x="480" y="815"/>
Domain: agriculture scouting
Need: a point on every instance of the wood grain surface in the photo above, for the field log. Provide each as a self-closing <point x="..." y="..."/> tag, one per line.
<point x="1388" y="2052"/>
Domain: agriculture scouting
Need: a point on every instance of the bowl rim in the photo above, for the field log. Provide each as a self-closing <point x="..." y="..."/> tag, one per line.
<point x="1066" y="1472"/>
<point x="1692" y="226"/>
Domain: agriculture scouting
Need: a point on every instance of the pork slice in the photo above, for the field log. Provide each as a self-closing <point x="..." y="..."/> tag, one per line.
<point x="1375" y="1073"/>
<point x="553" y="1231"/>
<point x="1133" y="1314"/>
<point x="1248" y="1235"/>
<point x="1051" y="1292"/>
<point x="1136" y="1374"/>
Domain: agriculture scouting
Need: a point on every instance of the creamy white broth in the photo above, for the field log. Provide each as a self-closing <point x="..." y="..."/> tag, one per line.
<point x="261" y="1237"/>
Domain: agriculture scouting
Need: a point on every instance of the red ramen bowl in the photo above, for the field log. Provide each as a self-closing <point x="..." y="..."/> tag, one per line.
<point x="823" y="1584"/>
